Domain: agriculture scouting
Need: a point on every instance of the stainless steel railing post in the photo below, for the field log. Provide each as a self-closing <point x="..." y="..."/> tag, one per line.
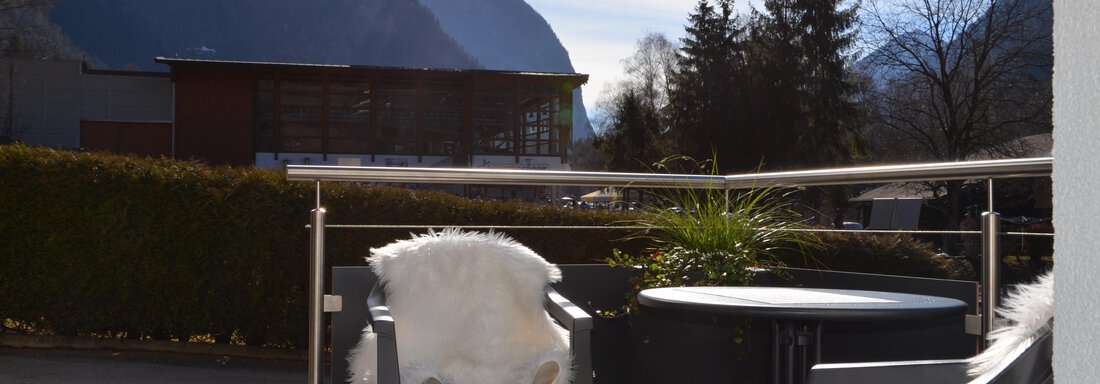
<point x="991" y="265"/>
<point x="316" y="291"/>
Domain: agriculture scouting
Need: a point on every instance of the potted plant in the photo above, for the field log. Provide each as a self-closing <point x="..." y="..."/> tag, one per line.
<point x="705" y="237"/>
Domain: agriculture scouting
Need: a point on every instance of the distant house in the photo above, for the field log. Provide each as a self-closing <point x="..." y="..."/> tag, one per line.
<point x="271" y="114"/>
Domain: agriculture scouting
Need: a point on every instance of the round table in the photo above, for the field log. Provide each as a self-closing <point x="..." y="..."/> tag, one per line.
<point x="798" y="313"/>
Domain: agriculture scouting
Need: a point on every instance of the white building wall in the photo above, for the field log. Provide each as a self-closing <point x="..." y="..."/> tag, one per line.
<point x="1077" y="191"/>
<point x="541" y="163"/>
<point x="53" y="96"/>
<point x="269" y="160"/>
<point x="107" y="97"/>
<point x="534" y="163"/>
<point x="45" y="103"/>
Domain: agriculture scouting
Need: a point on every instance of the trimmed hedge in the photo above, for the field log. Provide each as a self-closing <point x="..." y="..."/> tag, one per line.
<point x="886" y="254"/>
<point x="112" y="246"/>
<point x="99" y="244"/>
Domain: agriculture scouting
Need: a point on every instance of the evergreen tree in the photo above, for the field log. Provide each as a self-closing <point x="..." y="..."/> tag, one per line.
<point x="776" y="85"/>
<point x="802" y="90"/>
<point x="631" y="141"/>
<point x="826" y="38"/>
<point x="705" y="100"/>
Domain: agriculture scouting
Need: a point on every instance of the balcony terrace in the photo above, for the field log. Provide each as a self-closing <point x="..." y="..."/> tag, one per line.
<point x="667" y="346"/>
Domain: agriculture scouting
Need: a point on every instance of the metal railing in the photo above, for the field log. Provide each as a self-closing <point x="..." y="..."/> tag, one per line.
<point x="834" y="176"/>
<point x="987" y="170"/>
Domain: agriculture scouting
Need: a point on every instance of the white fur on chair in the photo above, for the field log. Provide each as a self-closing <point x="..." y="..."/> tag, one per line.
<point x="1026" y="312"/>
<point x="468" y="309"/>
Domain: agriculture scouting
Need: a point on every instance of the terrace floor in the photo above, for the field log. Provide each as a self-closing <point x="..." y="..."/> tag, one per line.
<point x="42" y="366"/>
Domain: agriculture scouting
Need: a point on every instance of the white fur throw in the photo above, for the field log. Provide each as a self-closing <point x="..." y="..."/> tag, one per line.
<point x="468" y="309"/>
<point x="1026" y="312"/>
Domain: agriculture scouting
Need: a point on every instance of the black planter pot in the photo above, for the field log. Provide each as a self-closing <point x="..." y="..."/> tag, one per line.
<point x="685" y="348"/>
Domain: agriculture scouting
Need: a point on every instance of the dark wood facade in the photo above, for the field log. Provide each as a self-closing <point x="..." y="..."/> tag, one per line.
<point x="213" y="114"/>
<point x="134" y="138"/>
<point x="227" y="112"/>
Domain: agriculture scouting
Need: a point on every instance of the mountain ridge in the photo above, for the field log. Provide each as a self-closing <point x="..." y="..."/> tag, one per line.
<point x="494" y="31"/>
<point x="128" y="34"/>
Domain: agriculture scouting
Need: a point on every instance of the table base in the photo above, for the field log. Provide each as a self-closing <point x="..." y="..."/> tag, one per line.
<point x="796" y="347"/>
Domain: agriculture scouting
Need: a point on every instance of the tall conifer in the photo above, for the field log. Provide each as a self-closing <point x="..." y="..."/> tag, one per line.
<point x="705" y="108"/>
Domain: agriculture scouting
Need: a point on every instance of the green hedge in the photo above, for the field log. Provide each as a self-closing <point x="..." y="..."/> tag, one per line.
<point x="98" y="244"/>
<point x="887" y="254"/>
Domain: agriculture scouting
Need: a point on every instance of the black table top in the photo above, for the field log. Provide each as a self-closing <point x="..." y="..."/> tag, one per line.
<point x="802" y="303"/>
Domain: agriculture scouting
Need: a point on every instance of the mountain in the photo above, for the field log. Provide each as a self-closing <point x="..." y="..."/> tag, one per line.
<point x="502" y="34"/>
<point x="128" y="34"/>
<point x="509" y="35"/>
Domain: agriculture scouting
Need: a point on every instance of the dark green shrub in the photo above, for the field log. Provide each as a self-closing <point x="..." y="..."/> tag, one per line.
<point x="886" y="254"/>
<point x="98" y="244"/>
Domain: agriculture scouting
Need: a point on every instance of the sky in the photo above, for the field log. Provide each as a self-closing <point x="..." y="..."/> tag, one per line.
<point x="599" y="34"/>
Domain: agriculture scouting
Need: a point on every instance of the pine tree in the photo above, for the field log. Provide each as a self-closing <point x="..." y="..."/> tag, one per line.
<point x="776" y="85"/>
<point x="632" y="138"/>
<point x="803" y="91"/>
<point x="705" y="100"/>
<point x="826" y="38"/>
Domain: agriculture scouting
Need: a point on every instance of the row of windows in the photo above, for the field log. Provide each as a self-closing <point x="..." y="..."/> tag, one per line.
<point x="398" y="117"/>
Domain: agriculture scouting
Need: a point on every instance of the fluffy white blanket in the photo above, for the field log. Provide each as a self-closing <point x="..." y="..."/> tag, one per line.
<point x="468" y="309"/>
<point x="1024" y="313"/>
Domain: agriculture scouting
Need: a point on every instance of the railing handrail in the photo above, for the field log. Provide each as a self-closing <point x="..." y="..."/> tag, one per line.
<point x="962" y="170"/>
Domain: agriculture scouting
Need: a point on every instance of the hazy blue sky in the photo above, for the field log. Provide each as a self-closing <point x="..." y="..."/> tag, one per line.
<point x="599" y="34"/>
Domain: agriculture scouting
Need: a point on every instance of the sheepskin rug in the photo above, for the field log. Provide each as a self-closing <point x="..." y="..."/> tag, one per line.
<point x="1027" y="311"/>
<point x="468" y="309"/>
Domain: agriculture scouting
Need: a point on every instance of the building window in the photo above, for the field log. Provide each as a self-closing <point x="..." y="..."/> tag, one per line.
<point x="349" y="114"/>
<point x="540" y="108"/>
<point x="300" y="113"/>
<point x="297" y="115"/>
<point x="397" y="117"/>
<point x="494" y="118"/>
<point x="442" y="116"/>
<point x="264" y="116"/>
<point x="428" y="115"/>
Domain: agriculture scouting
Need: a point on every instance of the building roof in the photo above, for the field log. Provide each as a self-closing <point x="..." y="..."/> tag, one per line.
<point x="583" y="78"/>
<point x="895" y="190"/>
<point x="1037" y="145"/>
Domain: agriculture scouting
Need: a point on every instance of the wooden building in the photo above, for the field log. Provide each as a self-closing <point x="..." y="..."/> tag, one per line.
<point x="270" y="114"/>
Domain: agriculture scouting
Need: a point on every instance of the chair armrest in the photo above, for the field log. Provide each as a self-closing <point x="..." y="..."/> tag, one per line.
<point x="570" y="315"/>
<point x="895" y="372"/>
<point x="386" y="336"/>
<point x="579" y="324"/>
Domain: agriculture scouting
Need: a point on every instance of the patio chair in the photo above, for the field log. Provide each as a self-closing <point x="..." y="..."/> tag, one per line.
<point x="1021" y="351"/>
<point x="1031" y="363"/>
<point x="464" y="307"/>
